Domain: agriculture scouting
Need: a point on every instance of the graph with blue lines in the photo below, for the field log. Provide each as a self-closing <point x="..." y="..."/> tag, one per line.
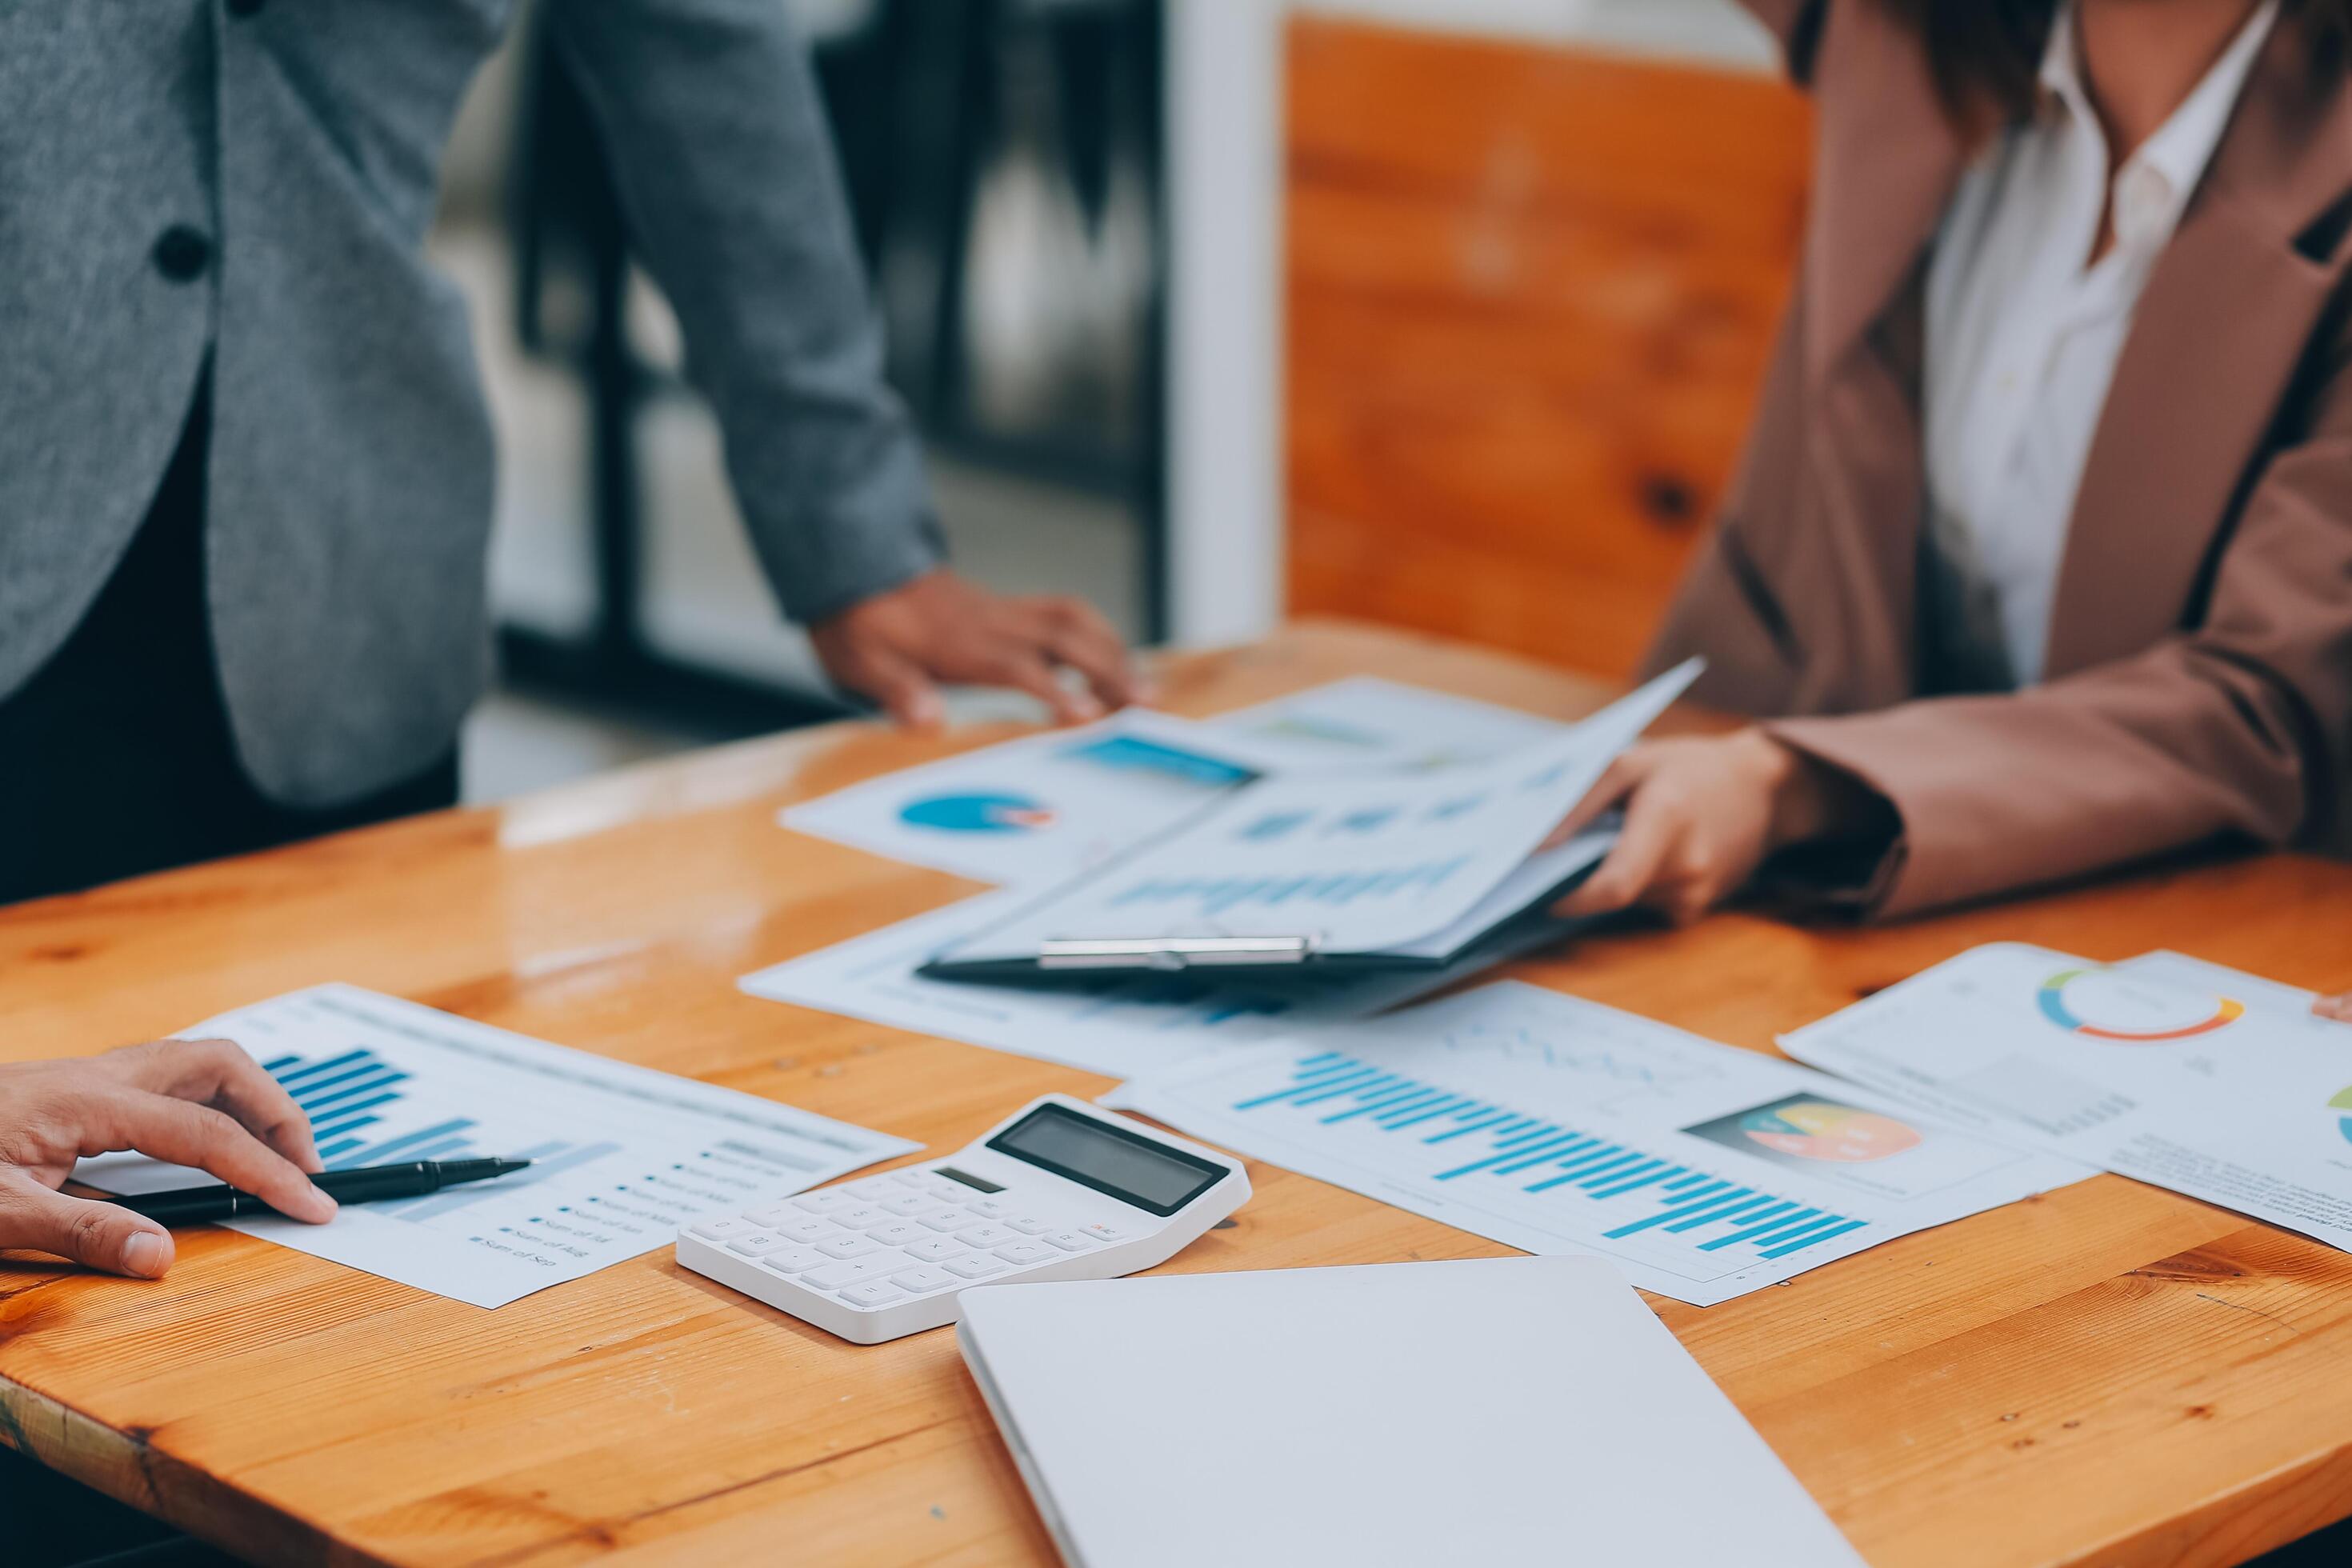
<point x="348" y="1094"/>
<point x="1460" y="1139"/>
<point x="1220" y="895"/>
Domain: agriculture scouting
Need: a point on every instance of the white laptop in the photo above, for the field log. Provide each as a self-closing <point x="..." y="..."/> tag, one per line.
<point x="1508" y="1410"/>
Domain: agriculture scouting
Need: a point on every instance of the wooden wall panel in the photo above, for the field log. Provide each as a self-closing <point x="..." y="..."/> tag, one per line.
<point x="1531" y="294"/>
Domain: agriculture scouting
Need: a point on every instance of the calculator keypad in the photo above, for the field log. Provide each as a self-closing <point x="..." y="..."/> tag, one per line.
<point x="900" y="1234"/>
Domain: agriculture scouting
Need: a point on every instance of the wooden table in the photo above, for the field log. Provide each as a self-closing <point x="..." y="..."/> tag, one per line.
<point x="2109" y="1373"/>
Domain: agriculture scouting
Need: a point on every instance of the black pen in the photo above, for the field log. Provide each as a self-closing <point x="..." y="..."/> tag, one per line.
<point x="196" y="1205"/>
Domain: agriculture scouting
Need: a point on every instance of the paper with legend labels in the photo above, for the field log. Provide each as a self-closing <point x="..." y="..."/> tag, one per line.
<point x="622" y="1155"/>
<point x="1558" y="1125"/>
<point x="2182" y="1074"/>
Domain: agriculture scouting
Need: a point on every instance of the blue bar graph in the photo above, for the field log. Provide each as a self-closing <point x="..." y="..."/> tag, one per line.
<point x="1476" y="1142"/>
<point x="1220" y="895"/>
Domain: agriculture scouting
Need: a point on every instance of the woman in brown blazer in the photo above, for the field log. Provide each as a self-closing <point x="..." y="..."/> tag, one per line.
<point x="2040" y="559"/>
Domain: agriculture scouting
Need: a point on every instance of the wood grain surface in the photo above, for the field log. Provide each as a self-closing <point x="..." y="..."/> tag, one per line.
<point x="1530" y="295"/>
<point x="2107" y="1374"/>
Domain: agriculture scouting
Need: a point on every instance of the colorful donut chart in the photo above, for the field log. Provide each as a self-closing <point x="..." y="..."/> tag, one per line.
<point x="2227" y="1010"/>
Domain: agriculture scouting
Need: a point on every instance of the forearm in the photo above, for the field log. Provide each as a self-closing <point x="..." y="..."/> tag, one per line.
<point x="725" y="168"/>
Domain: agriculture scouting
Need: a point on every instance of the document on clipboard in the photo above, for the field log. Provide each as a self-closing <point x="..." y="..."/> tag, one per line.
<point x="1390" y="869"/>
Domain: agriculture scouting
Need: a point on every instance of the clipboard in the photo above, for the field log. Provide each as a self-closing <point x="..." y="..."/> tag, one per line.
<point x="1300" y="873"/>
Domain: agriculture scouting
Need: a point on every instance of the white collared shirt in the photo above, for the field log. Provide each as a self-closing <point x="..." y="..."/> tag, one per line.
<point x="2022" y="340"/>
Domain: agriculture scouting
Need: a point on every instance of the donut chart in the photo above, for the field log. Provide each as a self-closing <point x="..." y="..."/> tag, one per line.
<point x="977" y="813"/>
<point x="1819" y="1130"/>
<point x="2227" y="1010"/>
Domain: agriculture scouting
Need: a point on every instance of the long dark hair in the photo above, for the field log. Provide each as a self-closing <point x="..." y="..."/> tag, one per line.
<point x="1986" y="53"/>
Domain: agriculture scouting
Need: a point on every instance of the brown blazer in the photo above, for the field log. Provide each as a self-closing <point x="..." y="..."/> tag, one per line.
<point x="2200" y="665"/>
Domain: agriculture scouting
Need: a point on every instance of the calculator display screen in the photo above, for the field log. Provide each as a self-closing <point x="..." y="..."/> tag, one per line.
<point x="1127" y="1166"/>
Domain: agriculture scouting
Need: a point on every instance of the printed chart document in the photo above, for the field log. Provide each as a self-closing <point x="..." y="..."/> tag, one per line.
<point x="2163" y="1069"/>
<point x="1039" y="809"/>
<point x="1042" y="809"/>
<point x="1561" y="1126"/>
<point x="623" y="1156"/>
<point x="1119" y="1024"/>
<point x="1355" y="866"/>
<point x="1368" y="723"/>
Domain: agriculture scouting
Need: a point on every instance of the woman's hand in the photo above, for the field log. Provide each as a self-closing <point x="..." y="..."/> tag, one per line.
<point x="192" y="1103"/>
<point x="2338" y="1007"/>
<point x="1702" y="813"/>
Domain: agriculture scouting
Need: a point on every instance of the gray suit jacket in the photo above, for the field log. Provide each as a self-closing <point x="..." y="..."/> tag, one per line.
<point x="350" y="477"/>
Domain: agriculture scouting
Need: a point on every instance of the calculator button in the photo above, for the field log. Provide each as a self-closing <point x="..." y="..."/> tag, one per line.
<point x="985" y="1236"/>
<point x="795" y="1260"/>
<point x="1067" y="1240"/>
<point x="913" y="1176"/>
<point x="848" y="1244"/>
<point x="861" y="1217"/>
<point x="807" y="1228"/>
<point x="920" y="1279"/>
<point x="1026" y="1252"/>
<point x="1103" y="1232"/>
<point x="826" y="1202"/>
<point x="898" y="1232"/>
<point x="872" y="1293"/>
<point x="774" y="1219"/>
<point x="936" y="1249"/>
<point x="723" y="1230"/>
<point x="946" y="1219"/>
<point x="833" y="1276"/>
<point x="905" y="1203"/>
<point x="873" y="1187"/>
<point x="976" y="1265"/>
<point x="948" y="1193"/>
<point x="988" y="1208"/>
<point x="758" y="1242"/>
<point x="1030" y="1224"/>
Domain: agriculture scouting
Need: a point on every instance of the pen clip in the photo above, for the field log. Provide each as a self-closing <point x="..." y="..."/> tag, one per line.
<point x="1173" y="953"/>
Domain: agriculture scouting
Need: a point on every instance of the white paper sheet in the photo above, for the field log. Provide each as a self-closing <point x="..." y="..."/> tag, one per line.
<point x="1358" y="863"/>
<point x="2172" y="1072"/>
<point x="1044" y="808"/>
<point x="1369" y="722"/>
<point x="1561" y="1126"/>
<point x="623" y="1155"/>
<point x="1038" y="810"/>
<point x="1117" y="1025"/>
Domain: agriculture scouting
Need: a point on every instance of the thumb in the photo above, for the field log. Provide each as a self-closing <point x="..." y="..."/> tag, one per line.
<point x="899" y="685"/>
<point x="1616" y="782"/>
<point x="98" y="1236"/>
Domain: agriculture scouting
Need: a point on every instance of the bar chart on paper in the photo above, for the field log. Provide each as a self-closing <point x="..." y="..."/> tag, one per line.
<point x="621" y="1156"/>
<point x="1556" y="1125"/>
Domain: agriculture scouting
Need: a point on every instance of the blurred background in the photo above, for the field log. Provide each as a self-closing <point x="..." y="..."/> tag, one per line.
<point x="1104" y="238"/>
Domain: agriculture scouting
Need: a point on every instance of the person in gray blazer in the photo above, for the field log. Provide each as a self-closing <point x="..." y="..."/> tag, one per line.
<point x="246" y="470"/>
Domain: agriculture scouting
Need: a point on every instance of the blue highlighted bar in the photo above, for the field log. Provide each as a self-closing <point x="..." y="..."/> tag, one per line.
<point x="342" y="1124"/>
<point x="1753" y="1228"/>
<point x="314" y="1104"/>
<point x="1385" y="1100"/>
<point x="329" y="1065"/>
<point x="1488" y="1121"/>
<point x="1749" y="1207"/>
<point x="410" y="1141"/>
<point x="1405" y="1115"/>
<point x="1795" y="1224"/>
<point x="345" y="1147"/>
<point x="1355" y="1087"/>
<point x="1637" y="1180"/>
<point x="1787" y="1248"/>
<point x="1549" y="1151"/>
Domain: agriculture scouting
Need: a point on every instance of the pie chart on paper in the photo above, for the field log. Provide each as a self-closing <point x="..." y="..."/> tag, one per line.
<point x="1817" y="1130"/>
<point x="997" y="814"/>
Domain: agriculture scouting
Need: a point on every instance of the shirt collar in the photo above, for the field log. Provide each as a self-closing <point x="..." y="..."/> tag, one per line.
<point x="2165" y="168"/>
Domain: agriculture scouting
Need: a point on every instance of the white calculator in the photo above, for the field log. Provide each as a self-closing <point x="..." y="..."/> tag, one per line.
<point x="1060" y="1190"/>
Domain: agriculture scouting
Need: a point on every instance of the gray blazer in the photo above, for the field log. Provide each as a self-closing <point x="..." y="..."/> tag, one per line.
<point x="253" y="179"/>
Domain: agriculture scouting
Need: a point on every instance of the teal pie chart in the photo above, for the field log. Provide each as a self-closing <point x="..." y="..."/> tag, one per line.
<point x="977" y="813"/>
